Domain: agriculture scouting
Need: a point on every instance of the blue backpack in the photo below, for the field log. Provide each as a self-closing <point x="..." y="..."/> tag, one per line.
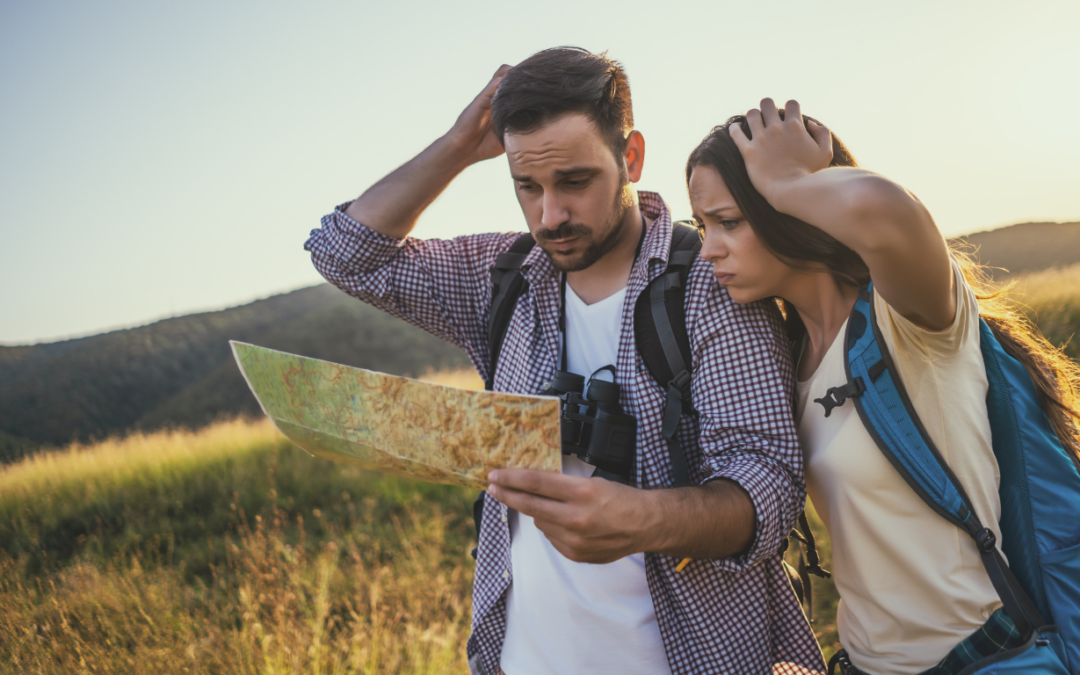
<point x="1040" y="490"/>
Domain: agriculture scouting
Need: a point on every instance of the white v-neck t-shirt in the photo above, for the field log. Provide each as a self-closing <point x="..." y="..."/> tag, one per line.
<point x="569" y="617"/>
<point x="912" y="584"/>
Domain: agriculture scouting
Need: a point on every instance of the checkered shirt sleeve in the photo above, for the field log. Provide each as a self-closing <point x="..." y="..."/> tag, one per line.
<point x="741" y="390"/>
<point x="441" y="286"/>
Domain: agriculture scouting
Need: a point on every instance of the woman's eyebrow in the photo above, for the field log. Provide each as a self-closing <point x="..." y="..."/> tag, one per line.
<point x="720" y="210"/>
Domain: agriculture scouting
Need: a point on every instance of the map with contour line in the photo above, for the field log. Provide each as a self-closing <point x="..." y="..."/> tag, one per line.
<point x="396" y="425"/>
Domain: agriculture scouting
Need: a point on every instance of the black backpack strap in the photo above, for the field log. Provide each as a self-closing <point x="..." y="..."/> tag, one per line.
<point x="508" y="284"/>
<point x="663" y="341"/>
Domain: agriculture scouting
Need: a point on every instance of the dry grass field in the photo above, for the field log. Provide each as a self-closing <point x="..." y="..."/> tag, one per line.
<point x="1051" y="298"/>
<point x="227" y="550"/>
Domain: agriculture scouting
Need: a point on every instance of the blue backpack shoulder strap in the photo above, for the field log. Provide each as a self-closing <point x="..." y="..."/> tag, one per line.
<point x="888" y="415"/>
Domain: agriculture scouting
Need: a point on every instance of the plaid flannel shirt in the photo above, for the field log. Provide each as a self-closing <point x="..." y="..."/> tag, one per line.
<point x="729" y="615"/>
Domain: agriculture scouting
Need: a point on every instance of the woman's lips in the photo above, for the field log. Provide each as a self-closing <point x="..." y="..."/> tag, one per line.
<point x="723" y="278"/>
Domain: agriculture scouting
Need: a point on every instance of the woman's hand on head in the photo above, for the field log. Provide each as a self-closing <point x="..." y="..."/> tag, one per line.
<point x="781" y="151"/>
<point x="879" y="220"/>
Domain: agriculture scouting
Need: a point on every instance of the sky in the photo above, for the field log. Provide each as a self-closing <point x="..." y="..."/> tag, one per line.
<point x="158" y="159"/>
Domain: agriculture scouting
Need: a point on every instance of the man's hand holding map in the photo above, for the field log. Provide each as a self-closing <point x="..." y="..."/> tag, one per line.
<point x="401" y="426"/>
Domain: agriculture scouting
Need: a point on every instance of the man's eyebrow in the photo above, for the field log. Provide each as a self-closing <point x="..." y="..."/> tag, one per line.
<point x="577" y="171"/>
<point x="561" y="173"/>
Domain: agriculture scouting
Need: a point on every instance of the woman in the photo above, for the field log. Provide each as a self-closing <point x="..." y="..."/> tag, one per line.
<point x="785" y="213"/>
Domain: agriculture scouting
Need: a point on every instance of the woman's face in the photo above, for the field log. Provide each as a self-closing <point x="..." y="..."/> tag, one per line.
<point x="741" y="263"/>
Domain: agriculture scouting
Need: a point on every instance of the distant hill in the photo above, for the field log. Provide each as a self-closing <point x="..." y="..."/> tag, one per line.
<point x="180" y="371"/>
<point x="1027" y="247"/>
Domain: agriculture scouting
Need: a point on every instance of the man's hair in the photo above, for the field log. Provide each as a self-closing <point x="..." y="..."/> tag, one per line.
<point x="562" y="80"/>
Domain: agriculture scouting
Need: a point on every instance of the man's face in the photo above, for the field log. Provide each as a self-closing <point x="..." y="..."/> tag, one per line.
<point x="574" y="193"/>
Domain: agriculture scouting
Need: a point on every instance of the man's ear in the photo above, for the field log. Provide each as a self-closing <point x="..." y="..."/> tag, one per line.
<point x="634" y="155"/>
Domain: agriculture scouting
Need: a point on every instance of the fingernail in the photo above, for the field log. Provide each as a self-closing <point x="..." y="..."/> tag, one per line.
<point x="493" y="476"/>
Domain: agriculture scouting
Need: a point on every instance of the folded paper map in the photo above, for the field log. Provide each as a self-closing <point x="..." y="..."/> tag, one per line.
<point x="397" y="425"/>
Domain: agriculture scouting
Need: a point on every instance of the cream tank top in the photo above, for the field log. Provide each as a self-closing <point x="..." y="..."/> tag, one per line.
<point x="911" y="584"/>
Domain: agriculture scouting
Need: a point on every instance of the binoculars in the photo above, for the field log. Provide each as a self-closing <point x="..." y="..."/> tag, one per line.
<point x="593" y="426"/>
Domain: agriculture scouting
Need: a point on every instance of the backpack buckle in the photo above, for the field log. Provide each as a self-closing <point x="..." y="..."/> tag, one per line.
<point x="680" y="382"/>
<point x="835" y="397"/>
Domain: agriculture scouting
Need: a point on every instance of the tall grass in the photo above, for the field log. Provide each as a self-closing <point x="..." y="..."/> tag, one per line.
<point x="1051" y="298"/>
<point x="227" y="551"/>
<point x="369" y="606"/>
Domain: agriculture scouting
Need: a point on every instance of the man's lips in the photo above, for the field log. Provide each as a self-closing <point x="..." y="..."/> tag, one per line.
<point x="561" y="245"/>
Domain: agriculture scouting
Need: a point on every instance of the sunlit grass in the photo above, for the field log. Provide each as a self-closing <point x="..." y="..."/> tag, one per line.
<point x="370" y="606"/>
<point x="227" y="551"/>
<point x="80" y="473"/>
<point x="1051" y="298"/>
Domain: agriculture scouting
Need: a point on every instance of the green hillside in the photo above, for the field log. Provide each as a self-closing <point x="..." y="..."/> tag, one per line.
<point x="179" y="371"/>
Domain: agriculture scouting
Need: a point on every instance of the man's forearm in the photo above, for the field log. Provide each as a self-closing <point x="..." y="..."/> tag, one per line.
<point x="715" y="520"/>
<point x="393" y="205"/>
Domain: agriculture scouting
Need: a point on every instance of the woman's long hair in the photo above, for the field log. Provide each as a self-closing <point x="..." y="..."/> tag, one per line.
<point x="803" y="246"/>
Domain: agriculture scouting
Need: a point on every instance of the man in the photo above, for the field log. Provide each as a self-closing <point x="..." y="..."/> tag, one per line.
<point x="577" y="574"/>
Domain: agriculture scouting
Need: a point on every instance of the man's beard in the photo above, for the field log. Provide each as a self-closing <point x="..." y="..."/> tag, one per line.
<point x="594" y="250"/>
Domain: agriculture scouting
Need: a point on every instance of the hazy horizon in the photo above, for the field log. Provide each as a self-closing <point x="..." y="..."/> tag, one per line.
<point x="158" y="161"/>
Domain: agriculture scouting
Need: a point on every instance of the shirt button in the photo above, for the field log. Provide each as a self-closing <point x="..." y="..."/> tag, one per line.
<point x="505" y="519"/>
<point x="506" y="575"/>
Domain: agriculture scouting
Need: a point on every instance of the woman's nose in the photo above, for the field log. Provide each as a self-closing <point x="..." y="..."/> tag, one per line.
<point x="712" y="247"/>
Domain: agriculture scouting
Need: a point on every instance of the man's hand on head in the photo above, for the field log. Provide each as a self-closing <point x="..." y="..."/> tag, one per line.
<point x="473" y="133"/>
<point x="392" y="206"/>
<point x="586" y="519"/>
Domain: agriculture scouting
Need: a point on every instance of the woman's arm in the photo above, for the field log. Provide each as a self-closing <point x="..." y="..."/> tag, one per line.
<point x="881" y="221"/>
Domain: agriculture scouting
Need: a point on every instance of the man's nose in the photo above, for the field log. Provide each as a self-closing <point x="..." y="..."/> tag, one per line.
<point x="555" y="212"/>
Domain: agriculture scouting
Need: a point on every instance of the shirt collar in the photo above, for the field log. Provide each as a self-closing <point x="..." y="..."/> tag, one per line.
<point x="657" y="243"/>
